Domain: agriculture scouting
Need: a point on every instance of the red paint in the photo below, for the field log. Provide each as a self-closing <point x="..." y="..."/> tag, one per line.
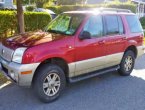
<point x="71" y="48"/>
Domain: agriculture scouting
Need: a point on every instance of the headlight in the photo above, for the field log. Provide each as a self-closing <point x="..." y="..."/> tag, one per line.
<point x="18" y="55"/>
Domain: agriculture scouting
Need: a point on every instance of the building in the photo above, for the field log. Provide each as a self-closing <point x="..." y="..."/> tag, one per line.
<point x="6" y="3"/>
<point x="140" y="7"/>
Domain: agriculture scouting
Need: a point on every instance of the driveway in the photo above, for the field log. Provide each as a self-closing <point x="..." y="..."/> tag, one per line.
<point x="105" y="92"/>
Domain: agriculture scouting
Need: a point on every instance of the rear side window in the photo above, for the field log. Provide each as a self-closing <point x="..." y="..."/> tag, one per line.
<point x="134" y="24"/>
<point x="112" y="26"/>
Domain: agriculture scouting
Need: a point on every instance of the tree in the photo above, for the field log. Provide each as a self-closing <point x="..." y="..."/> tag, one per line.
<point x="20" y="17"/>
<point x="40" y="3"/>
<point x="71" y="2"/>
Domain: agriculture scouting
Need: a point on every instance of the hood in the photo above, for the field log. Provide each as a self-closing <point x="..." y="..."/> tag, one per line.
<point x="31" y="39"/>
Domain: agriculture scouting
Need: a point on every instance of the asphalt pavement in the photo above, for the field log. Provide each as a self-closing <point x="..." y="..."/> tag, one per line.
<point x="105" y="92"/>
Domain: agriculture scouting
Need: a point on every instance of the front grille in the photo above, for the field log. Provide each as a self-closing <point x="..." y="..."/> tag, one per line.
<point x="6" y="53"/>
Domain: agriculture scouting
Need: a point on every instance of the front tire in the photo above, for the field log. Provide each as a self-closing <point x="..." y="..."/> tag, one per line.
<point x="127" y="63"/>
<point x="49" y="82"/>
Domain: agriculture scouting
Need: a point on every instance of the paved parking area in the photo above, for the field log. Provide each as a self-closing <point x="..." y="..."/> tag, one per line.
<point x="105" y="92"/>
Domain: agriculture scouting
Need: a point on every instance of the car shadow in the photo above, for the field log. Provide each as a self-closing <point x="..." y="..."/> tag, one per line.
<point x="105" y="92"/>
<point x="109" y="91"/>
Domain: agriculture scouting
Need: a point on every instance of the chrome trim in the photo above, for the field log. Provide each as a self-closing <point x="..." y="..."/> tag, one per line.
<point x="6" y="53"/>
<point x="89" y="65"/>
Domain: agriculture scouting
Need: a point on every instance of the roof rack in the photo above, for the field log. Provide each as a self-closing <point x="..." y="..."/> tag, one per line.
<point x="114" y="10"/>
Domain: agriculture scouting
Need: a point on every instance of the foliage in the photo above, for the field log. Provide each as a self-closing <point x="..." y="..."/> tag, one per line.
<point x="36" y="20"/>
<point x="30" y="8"/>
<point x="40" y="3"/>
<point x="70" y="2"/>
<point x="7" y="9"/>
<point x="3" y="79"/>
<point x="33" y="21"/>
<point x="63" y="8"/>
<point x="142" y="20"/>
<point x="7" y="22"/>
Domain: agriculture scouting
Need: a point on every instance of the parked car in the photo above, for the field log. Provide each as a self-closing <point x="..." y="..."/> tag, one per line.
<point x="53" y="15"/>
<point x="1" y="5"/>
<point x="75" y="46"/>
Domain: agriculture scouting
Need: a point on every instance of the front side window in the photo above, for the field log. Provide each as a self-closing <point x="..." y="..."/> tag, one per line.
<point x="134" y="24"/>
<point x="112" y="26"/>
<point x="65" y="24"/>
<point x="94" y="26"/>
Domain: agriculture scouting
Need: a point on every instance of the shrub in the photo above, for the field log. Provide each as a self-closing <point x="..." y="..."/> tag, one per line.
<point x="30" y="8"/>
<point x="60" y="9"/>
<point x="33" y="21"/>
<point x="142" y="20"/>
<point x="7" y="22"/>
<point x="36" y="20"/>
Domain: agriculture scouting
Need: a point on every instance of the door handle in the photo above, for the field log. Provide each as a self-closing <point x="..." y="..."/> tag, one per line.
<point x="101" y="42"/>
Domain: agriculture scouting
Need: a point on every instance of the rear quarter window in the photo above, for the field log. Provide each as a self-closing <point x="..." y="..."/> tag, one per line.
<point x="134" y="24"/>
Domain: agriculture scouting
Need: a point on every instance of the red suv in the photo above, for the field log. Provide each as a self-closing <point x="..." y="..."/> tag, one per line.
<point x="74" y="46"/>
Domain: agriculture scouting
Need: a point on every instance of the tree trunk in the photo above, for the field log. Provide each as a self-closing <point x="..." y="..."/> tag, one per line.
<point x="20" y="17"/>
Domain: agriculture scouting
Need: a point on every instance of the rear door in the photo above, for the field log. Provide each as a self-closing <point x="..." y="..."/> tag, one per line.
<point x="116" y="39"/>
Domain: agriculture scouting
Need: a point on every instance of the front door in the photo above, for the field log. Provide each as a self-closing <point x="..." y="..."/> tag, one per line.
<point x="90" y="53"/>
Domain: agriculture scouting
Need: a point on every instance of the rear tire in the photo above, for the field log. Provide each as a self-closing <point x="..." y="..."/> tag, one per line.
<point x="49" y="82"/>
<point x="127" y="63"/>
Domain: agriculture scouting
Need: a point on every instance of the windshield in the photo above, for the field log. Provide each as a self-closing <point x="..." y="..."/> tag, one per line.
<point x="65" y="24"/>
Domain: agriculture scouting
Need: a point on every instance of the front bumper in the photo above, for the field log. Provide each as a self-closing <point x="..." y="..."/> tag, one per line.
<point x="14" y="72"/>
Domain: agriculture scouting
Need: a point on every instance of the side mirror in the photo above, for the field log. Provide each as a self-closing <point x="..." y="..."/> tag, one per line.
<point x="85" y="35"/>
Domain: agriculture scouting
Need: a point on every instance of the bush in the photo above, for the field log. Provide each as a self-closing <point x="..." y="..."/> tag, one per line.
<point x="7" y="22"/>
<point x="60" y="9"/>
<point x="36" y="20"/>
<point x="30" y="8"/>
<point x="33" y="21"/>
<point x="142" y="20"/>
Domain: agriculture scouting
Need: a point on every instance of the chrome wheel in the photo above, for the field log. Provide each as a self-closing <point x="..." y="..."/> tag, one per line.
<point x="51" y="84"/>
<point x="128" y="63"/>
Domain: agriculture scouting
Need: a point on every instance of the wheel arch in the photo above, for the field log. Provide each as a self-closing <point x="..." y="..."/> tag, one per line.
<point x="132" y="48"/>
<point x="55" y="60"/>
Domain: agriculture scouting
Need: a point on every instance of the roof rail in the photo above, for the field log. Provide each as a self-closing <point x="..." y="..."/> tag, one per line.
<point x="114" y="9"/>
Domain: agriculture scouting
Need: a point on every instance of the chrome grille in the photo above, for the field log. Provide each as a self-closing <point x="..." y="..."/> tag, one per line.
<point x="6" y="53"/>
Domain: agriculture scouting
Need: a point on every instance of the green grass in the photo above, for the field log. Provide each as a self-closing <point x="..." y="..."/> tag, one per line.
<point x="3" y="79"/>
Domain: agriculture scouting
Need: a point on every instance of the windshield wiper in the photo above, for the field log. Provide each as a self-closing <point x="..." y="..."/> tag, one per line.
<point x="57" y="32"/>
